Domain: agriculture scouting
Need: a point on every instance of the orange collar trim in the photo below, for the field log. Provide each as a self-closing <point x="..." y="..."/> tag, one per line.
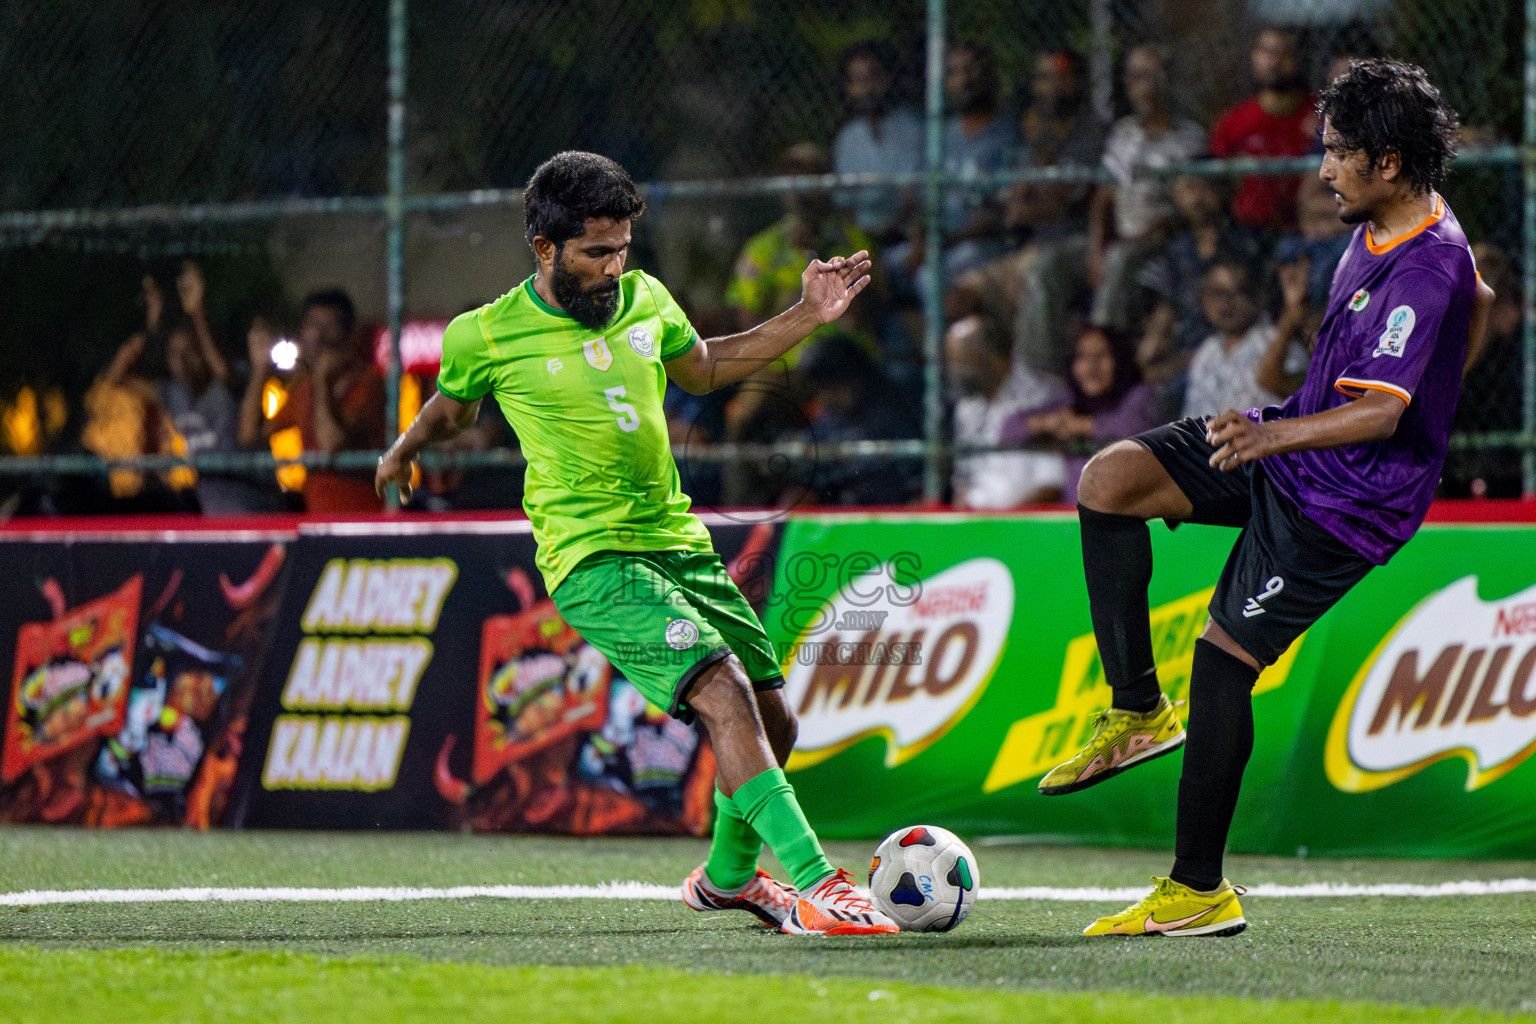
<point x="1377" y="250"/>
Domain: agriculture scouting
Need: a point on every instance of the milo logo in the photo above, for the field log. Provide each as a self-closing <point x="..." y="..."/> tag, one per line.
<point x="1453" y="679"/>
<point x="913" y="668"/>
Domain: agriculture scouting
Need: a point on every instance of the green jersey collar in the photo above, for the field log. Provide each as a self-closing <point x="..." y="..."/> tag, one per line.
<point x="533" y="293"/>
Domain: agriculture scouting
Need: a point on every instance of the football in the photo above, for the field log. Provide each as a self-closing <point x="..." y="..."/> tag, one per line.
<point x="924" y="878"/>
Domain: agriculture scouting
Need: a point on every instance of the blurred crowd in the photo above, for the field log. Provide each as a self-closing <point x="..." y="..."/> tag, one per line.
<point x="1077" y="314"/>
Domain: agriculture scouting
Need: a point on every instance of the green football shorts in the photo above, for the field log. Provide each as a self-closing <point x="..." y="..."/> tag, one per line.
<point x="662" y="618"/>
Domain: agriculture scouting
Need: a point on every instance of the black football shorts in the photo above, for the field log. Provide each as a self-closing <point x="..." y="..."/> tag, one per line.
<point x="1284" y="572"/>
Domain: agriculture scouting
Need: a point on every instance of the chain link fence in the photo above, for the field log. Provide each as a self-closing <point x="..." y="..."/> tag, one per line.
<point x="254" y="139"/>
<point x="125" y="103"/>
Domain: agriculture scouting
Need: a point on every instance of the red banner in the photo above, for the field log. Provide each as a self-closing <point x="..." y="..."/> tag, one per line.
<point x="70" y="685"/>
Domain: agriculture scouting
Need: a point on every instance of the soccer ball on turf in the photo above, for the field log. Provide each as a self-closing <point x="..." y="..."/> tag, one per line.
<point x="924" y="878"/>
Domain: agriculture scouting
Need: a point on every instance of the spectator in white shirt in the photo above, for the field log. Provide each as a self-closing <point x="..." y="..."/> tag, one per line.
<point x="1129" y="220"/>
<point x="880" y="138"/>
<point x="1224" y="372"/>
<point x="990" y="389"/>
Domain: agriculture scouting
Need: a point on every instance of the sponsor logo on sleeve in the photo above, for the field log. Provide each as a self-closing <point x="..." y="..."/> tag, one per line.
<point x="642" y="341"/>
<point x="1455" y="678"/>
<point x="917" y="669"/>
<point x="1394" y="339"/>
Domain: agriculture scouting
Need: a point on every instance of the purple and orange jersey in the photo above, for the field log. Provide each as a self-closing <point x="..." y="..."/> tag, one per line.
<point x="1397" y="321"/>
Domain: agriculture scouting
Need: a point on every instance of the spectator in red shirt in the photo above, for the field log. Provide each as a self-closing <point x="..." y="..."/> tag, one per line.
<point x="335" y="398"/>
<point x="1280" y="119"/>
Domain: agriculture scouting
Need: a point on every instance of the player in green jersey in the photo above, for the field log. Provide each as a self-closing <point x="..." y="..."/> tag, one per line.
<point x="578" y="357"/>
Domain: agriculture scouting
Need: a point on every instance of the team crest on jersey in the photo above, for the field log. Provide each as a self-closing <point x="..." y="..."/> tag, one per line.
<point x="642" y="341"/>
<point x="681" y="634"/>
<point x="1359" y="300"/>
<point x="1395" y="338"/>
<point x="598" y="354"/>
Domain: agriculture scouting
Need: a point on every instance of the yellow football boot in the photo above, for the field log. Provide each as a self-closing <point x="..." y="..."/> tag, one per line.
<point x="1174" y="909"/>
<point x="1120" y="740"/>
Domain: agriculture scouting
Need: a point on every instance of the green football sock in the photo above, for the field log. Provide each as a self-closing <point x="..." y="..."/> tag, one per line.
<point x="767" y="803"/>
<point x="733" y="853"/>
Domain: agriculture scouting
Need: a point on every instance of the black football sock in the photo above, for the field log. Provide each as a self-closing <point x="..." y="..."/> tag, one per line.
<point x="1117" y="564"/>
<point x="1215" y="753"/>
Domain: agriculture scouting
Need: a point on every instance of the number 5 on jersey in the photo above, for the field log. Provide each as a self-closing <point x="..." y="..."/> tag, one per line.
<point x="627" y="417"/>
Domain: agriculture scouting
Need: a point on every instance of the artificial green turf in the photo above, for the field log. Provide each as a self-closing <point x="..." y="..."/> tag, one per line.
<point x="1471" y="952"/>
<point x="37" y="857"/>
<point x="149" y="985"/>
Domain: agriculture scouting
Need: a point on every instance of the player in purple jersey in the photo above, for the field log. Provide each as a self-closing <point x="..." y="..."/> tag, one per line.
<point x="1324" y="487"/>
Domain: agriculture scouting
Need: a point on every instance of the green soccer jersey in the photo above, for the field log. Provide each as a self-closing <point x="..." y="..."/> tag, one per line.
<point x="586" y="406"/>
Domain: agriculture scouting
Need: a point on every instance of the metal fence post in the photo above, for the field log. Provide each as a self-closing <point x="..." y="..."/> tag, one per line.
<point x="1528" y="259"/>
<point x="933" y="261"/>
<point x="1101" y="70"/>
<point x="394" y="211"/>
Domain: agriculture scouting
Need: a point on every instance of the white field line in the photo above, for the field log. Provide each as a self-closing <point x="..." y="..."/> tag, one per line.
<point x="354" y="894"/>
<point x="649" y="891"/>
<point x="1493" y="887"/>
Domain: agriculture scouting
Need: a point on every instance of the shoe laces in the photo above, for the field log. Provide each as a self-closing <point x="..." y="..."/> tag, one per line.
<point x="839" y="890"/>
<point x="1165" y="885"/>
<point x="1162" y="889"/>
<point x="765" y="887"/>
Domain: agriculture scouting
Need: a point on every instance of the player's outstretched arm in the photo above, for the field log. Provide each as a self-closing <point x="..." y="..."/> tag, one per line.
<point x="826" y="290"/>
<point x="441" y="419"/>
<point x="1371" y="417"/>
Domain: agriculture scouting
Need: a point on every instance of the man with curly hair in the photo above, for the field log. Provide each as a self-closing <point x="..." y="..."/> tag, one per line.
<point x="1323" y="487"/>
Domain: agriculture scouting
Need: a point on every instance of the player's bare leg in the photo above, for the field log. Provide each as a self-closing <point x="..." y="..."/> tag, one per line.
<point x="1126" y="479"/>
<point x="1214" y="634"/>
<point x="723" y="699"/>
<point x="730" y="879"/>
<point x="779" y="723"/>
<point x="753" y="789"/>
